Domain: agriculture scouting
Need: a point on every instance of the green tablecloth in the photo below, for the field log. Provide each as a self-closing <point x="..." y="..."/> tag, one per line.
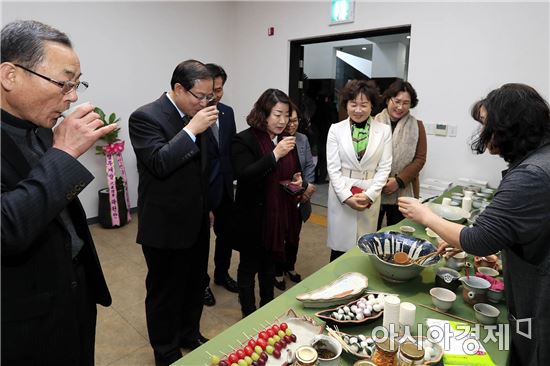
<point x="415" y="291"/>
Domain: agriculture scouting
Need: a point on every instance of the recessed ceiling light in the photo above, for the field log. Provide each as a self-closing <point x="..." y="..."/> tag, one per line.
<point x="364" y="48"/>
<point x="408" y="37"/>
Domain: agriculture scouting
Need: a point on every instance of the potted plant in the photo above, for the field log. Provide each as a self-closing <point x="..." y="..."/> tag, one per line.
<point x="114" y="203"/>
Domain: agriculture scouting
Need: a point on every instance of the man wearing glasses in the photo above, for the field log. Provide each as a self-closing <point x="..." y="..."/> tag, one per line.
<point x="51" y="276"/>
<point x="173" y="228"/>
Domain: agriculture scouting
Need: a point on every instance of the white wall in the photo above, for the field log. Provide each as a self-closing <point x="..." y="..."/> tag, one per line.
<point x="458" y="53"/>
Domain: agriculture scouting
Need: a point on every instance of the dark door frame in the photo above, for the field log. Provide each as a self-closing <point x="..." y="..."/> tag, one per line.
<point x="296" y="65"/>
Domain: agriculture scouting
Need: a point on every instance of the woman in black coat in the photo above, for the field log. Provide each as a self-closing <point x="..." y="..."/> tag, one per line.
<point x="263" y="158"/>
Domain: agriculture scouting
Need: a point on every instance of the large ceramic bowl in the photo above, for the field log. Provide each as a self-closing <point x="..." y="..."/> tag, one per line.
<point x="381" y="247"/>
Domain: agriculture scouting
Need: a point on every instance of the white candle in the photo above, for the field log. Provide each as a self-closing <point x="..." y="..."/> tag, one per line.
<point x="407" y="316"/>
<point x="467" y="203"/>
<point x="390" y="320"/>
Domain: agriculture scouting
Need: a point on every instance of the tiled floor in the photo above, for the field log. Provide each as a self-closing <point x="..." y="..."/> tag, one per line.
<point x="121" y="338"/>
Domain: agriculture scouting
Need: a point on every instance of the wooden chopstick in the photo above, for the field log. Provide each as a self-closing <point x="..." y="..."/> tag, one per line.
<point x="447" y="314"/>
<point x="334" y="334"/>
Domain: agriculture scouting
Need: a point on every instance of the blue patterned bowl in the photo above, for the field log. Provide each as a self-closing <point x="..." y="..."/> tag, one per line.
<point x="382" y="246"/>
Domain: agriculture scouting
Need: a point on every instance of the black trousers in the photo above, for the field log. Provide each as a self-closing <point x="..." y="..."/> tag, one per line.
<point x="86" y="312"/>
<point x="255" y="260"/>
<point x="393" y="215"/>
<point x="175" y="291"/>
<point x="291" y="254"/>
<point x="222" y="229"/>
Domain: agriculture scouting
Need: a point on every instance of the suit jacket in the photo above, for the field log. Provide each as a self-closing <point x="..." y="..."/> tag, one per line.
<point x="308" y="166"/>
<point x="345" y="224"/>
<point x="250" y="167"/>
<point x="221" y="172"/>
<point x="173" y="171"/>
<point x="39" y="323"/>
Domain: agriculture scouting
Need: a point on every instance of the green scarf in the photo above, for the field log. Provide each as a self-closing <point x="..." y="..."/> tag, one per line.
<point x="360" y="137"/>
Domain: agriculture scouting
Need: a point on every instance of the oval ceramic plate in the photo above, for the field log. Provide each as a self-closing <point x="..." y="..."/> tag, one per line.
<point x="304" y="327"/>
<point x="326" y="315"/>
<point x="344" y="289"/>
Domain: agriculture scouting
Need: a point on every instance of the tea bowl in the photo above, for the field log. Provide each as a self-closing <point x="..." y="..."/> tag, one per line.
<point x="489" y="271"/>
<point x="486" y="314"/>
<point x="442" y="298"/>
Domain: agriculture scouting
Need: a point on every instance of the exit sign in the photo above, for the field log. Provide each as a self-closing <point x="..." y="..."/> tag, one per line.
<point x="342" y="11"/>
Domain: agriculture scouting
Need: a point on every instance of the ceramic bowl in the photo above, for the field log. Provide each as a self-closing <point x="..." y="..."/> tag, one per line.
<point x="486" y="314"/>
<point x="488" y="261"/>
<point x="447" y="278"/>
<point x="442" y="298"/>
<point x="380" y="247"/>
<point x="489" y="271"/>
<point x="323" y="344"/>
<point x="474" y="289"/>
<point x="482" y="195"/>
<point x="450" y="213"/>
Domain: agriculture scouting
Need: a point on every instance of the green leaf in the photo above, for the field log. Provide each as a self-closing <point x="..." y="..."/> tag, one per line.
<point x="112" y="118"/>
<point x="101" y="113"/>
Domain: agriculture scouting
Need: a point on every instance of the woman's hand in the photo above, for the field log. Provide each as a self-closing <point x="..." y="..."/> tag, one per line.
<point x="306" y="196"/>
<point x="412" y="209"/>
<point x="391" y="186"/>
<point x="359" y="201"/>
<point x="284" y="147"/>
<point x="297" y="179"/>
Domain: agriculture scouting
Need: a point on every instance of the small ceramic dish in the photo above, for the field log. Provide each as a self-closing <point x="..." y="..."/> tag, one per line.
<point x="371" y="309"/>
<point x="405" y="229"/>
<point x="431" y="233"/>
<point x="442" y="298"/>
<point x="345" y="288"/>
<point x="486" y="314"/>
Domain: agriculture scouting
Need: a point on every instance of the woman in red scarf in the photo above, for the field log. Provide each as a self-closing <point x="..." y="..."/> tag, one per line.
<point x="263" y="157"/>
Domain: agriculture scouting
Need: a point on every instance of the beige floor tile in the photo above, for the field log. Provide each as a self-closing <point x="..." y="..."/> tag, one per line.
<point x="143" y="356"/>
<point x="115" y="339"/>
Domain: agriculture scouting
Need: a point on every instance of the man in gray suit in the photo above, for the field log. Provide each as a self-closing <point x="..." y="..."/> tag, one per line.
<point x="51" y="277"/>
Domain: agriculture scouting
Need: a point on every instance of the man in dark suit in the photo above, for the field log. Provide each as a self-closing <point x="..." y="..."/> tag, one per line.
<point x="220" y="190"/>
<point x="173" y="228"/>
<point x="51" y="276"/>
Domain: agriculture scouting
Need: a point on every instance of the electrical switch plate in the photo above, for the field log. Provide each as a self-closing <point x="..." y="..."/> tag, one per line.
<point x="451" y="130"/>
<point x="440" y="129"/>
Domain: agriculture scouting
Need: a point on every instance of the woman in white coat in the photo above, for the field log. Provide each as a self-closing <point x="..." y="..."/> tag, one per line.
<point x="359" y="157"/>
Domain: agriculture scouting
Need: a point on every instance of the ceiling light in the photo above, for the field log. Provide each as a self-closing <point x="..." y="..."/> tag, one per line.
<point x="363" y="48"/>
<point x="408" y="37"/>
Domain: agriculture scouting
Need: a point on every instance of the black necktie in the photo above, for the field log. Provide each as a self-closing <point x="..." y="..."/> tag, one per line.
<point x="186" y="120"/>
<point x="216" y="132"/>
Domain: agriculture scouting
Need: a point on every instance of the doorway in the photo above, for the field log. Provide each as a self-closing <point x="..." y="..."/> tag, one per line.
<point x="321" y="66"/>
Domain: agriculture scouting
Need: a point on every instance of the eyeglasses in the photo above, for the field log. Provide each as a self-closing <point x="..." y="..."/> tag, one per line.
<point x="401" y="103"/>
<point x="208" y="98"/>
<point x="66" y="86"/>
